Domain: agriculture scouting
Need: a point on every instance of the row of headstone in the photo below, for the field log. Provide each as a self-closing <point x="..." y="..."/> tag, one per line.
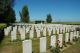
<point x="39" y="28"/>
<point x="27" y="44"/>
<point x="69" y="31"/>
<point x="7" y="30"/>
<point x="14" y="34"/>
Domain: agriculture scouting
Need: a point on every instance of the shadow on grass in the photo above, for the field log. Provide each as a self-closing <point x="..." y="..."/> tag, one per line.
<point x="1" y="35"/>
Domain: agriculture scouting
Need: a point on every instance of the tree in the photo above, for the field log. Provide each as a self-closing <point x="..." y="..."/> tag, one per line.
<point x="7" y="14"/>
<point x="20" y="16"/>
<point x="24" y="14"/>
<point x="10" y="16"/>
<point x="49" y="18"/>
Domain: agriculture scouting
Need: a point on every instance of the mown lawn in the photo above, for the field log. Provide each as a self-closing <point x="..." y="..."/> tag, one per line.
<point x="71" y="23"/>
<point x="16" y="47"/>
<point x="75" y="48"/>
<point x="7" y="46"/>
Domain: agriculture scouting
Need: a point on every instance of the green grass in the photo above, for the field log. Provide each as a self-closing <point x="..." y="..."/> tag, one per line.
<point x="2" y="25"/>
<point x="16" y="47"/>
<point x="71" y="23"/>
<point x="75" y="48"/>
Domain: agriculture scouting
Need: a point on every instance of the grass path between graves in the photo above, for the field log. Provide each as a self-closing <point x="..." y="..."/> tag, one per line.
<point x="75" y="48"/>
<point x="10" y="47"/>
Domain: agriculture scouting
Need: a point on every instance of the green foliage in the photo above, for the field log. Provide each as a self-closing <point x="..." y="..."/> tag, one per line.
<point x="54" y="49"/>
<point x="4" y="4"/>
<point x="24" y="14"/>
<point x="10" y="16"/>
<point x="75" y="39"/>
<point x="49" y="18"/>
<point x="7" y="14"/>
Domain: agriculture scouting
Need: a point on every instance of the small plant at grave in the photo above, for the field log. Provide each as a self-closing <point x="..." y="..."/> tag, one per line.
<point x="54" y="49"/>
<point x="69" y="43"/>
<point x="64" y="44"/>
<point x="75" y="39"/>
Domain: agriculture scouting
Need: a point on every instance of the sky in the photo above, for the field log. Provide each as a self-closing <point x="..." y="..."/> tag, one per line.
<point x="60" y="10"/>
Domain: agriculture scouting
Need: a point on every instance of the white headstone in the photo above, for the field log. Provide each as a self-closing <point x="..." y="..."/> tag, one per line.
<point x="77" y="34"/>
<point x="13" y="35"/>
<point x="57" y="31"/>
<point x="60" y="39"/>
<point x="27" y="46"/>
<point x="27" y="29"/>
<point x="67" y="37"/>
<point x="6" y="32"/>
<point x="38" y="33"/>
<point x="42" y="44"/>
<point x="49" y="31"/>
<point x="61" y="30"/>
<point x="54" y="31"/>
<point x="22" y="34"/>
<point x="53" y="40"/>
<point x="71" y="36"/>
<point x="31" y="34"/>
<point x="44" y="32"/>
